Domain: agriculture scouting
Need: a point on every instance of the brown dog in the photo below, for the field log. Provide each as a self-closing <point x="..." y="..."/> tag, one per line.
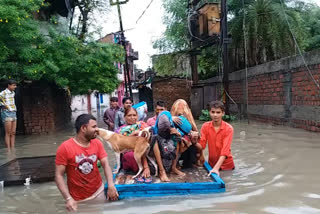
<point x="119" y="144"/>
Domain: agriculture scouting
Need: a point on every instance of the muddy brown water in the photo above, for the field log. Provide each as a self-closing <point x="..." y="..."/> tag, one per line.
<point x="277" y="171"/>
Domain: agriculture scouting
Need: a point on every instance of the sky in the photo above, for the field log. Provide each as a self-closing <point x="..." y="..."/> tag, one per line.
<point x="148" y="29"/>
<point x="141" y="34"/>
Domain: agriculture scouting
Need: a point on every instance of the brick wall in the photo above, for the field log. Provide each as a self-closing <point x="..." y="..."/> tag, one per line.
<point x="281" y="92"/>
<point x="44" y="108"/>
<point x="171" y="89"/>
<point x="235" y="91"/>
<point x="287" y="95"/>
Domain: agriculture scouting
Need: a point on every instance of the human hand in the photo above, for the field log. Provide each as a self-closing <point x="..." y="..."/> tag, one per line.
<point x="112" y="193"/>
<point x="71" y="205"/>
<point x="146" y="172"/>
<point x="177" y="120"/>
<point x="216" y="171"/>
<point x="174" y="131"/>
<point x="194" y="136"/>
<point x="111" y="125"/>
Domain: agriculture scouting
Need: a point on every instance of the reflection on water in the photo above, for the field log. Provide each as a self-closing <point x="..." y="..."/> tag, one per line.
<point x="276" y="172"/>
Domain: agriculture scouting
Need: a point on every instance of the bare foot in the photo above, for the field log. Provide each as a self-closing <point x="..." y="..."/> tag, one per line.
<point x="178" y="172"/>
<point x="163" y="177"/>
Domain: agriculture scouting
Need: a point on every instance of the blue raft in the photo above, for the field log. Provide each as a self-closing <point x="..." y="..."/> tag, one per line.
<point x="167" y="189"/>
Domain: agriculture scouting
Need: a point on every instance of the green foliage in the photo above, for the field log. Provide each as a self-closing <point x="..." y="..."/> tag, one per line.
<point x="27" y="54"/>
<point x="268" y="36"/>
<point x="267" y="32"/>
<point x="175" y="37"/>
<point x="165" y="65"/>
<point x="205" y="116"/>
<point x="208" y="62"/>
<point x="175" y="64"/>
<point x="311" y="17"/>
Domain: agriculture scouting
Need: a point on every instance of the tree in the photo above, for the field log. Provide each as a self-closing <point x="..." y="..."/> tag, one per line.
<point x="268" y="36"/>
<point x="87" y="8"/>
<point x="27" y="54"/>
<point x="176" y="38"/>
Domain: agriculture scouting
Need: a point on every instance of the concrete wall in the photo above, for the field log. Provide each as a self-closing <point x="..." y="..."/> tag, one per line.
<point x="279" y="92"/>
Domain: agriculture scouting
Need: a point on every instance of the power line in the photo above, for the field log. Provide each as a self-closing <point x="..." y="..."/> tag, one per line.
<point x="245" y="55"/>
<point x="295" y="40"/>
<point x="144" y="11"/>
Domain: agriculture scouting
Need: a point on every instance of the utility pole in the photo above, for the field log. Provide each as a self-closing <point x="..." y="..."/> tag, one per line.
<point x="193" y="54"/>
<point x="225" y="40"/>
<point x="127" y="79"/>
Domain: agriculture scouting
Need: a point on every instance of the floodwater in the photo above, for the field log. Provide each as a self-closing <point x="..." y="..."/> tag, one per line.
<point x="276" y="172"/>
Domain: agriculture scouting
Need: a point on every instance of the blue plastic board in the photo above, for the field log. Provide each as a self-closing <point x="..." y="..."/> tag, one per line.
<point x="167" y="189"/>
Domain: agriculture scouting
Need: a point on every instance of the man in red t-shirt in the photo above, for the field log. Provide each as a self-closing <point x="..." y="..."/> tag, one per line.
<point x="218" y="135"/>
<point x="77" y="157"/>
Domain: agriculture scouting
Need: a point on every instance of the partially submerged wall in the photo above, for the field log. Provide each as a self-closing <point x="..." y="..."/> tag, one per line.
<point x="279" y="92"/>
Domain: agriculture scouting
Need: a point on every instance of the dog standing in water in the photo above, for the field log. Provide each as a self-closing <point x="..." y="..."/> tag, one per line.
<point x="138" y="144"/>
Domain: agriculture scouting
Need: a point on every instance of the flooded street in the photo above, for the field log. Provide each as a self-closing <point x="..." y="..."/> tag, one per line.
<point x="276" y="172"/>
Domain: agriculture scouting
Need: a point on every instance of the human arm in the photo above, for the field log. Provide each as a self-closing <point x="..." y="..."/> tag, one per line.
<point x="106" y="118"/>
<point x="217" y="166"/>
<point x="202" y="143"/>
<point x="116" y="121"/>
<point x="71" y="204"/>
<point x="2" y="100"/>
<point x="112" y="193"/>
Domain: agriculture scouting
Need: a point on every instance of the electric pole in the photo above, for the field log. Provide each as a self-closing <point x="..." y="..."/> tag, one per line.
<point x="127" y="79"/>
<point x="225" y="41"/>
<point x="193" y="54"/>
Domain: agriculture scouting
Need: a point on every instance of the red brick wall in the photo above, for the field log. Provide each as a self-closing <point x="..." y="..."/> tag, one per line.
<point x="268" y="89"/>
<point x="171" y="89"/>
<point x="45" y="109"/>
<point x="304" y="91"/>
<point x="236" y="92"/>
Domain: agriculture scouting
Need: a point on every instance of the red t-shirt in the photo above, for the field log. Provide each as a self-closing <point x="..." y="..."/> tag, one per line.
<point x="219" y="143"/>
<point x="83" y="177"/>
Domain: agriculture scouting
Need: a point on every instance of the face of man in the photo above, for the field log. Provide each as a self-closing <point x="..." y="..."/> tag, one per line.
<point x="91" y="130"/>
<point x="114" y="104"/>
<point x="159" y="109"/>
<point x="127" y="104"/>
<point x="12" y="87"/>
<point x="216" y="114"/>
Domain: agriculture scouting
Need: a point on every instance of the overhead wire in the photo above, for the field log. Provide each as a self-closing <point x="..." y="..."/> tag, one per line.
<point x="190" y="13"/>
<point x="297" y="45"/>
<point x="144" y="11"/>
<point x="245" y="56"/>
